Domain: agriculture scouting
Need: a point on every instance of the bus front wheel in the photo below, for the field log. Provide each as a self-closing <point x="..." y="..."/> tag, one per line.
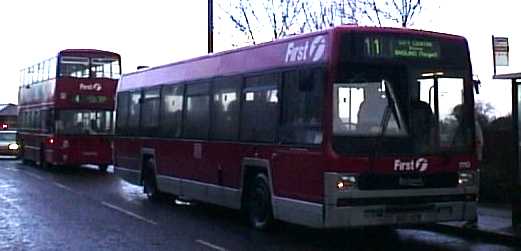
<point x="260" y="213"/>
<point x="103" y="168"/>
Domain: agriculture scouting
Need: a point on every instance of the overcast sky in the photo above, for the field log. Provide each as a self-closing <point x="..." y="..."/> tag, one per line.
<point x="156" y="32"/>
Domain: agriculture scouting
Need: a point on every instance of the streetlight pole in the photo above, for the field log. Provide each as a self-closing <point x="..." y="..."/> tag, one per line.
<point x="210" y="26"/>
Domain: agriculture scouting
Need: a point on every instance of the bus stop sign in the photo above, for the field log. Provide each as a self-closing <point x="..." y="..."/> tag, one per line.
<point x="500" y="47"/>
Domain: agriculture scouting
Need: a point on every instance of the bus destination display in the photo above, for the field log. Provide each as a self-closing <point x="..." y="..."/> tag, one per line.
<point x="390" y="47"/>
<point x="89" y="99"/>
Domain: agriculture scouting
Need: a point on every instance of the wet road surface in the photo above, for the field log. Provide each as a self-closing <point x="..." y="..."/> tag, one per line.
<point x="83" y="209"/>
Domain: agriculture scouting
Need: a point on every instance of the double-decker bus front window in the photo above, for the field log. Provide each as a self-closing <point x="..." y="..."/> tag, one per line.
<point x="105" y="68"/>
<point x="84" y="122"/>
<point x="77" y="67"/>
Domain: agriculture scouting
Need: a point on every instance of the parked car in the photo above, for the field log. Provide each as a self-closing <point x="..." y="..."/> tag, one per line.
<point x="8" y="144"/>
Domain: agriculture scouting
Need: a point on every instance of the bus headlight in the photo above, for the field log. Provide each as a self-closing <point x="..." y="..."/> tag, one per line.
<point x="13" y="146"/>
<point x="467" y="178"/>
<point x="346" y="182"/>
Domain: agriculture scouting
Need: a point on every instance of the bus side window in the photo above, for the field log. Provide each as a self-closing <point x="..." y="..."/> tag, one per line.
<point x="122" y="113"/>
<point x="197" y="111"/>
<point x="260" y="108"/>
<point x="171" y="110"/>
<point x="134" y="114"/>
<point x="150" y="110"/>
<point x="225" y="108"/>
<point x="302" y="107"/>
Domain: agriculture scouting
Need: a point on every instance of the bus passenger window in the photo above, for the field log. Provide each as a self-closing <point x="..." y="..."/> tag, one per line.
<point x="225" y="109"/>
<point x="77" y="67"/>
<point x="171" y="110"/>
<point x="260" y="108"/>
<point x="302" y="107"/>
<point x="197" y="113"/>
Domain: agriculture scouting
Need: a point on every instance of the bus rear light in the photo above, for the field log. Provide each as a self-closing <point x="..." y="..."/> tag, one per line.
<point x="5" y="126"/>
<point x="51" y="141"/>
<point x="346" y="182"/>
<point x="65" y="144"/>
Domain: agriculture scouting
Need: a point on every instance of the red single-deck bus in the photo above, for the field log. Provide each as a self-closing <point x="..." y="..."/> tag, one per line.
<point x="349" y="127"/>
<point x="66" y="106"/>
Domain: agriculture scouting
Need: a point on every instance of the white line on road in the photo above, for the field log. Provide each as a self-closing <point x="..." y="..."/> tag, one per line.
<point x="64" y="187"/>
<point x="210" y="245"/>
<point x="36" y="176"/>
<point x="119" y="209"/>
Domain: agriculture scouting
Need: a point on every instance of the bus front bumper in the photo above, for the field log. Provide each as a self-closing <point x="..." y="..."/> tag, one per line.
<point x="356" y="208"/>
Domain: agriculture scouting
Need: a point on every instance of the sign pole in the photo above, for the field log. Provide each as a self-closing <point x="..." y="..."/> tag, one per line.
<point x="210" y="26"/>
<point x="516" y="188"/>
<point x="494" y="54"/>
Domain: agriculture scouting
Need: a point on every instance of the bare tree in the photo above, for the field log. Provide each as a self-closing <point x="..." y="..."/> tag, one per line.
<point x="271" y="19"/>
<point x="259" y="19"/>
<point x="402" y="12"/>
<point x="323" y="14"/>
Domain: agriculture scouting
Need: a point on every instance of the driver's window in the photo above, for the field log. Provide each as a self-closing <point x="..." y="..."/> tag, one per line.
<point x="348" y="100"/>
<point x="359" y="108"/>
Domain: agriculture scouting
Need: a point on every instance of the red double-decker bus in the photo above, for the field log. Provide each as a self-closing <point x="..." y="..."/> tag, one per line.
<point x="349" y="127"/>
<point x="66" y="106"/>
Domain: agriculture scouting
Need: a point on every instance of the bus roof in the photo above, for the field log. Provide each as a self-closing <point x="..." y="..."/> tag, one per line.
<point x="310" y="48"/>
<point x="88" y="52"/>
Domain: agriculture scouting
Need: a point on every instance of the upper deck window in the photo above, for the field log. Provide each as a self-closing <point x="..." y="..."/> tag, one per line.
<point x="105" y="68"/>
<point x="77" y="67"/>
<point x="83" y="67"/>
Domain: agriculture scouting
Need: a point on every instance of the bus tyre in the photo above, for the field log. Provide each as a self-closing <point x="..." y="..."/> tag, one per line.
<point x="25" y="160"/>
<point x="260" y="213"/>
<point x="149" y="181"/>
<point x="43" y="162"/>
<point x="103" y="168"/>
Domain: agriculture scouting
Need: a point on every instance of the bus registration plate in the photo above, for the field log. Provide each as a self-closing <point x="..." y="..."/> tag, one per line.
<point x="408" y="218"/>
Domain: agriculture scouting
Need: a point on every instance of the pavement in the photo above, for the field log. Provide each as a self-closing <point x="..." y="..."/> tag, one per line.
<point x="494" y="224"/>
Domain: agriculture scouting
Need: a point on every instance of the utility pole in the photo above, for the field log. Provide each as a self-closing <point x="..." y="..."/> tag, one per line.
<point x="210" y="26"/>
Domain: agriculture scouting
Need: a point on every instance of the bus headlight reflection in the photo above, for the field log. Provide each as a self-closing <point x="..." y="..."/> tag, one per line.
<point x="13" y="146"/>
<point x="467" y="178"/>
<point x="346" y="182"/>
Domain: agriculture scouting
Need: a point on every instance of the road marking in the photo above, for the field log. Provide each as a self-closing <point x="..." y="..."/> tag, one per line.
<point x="64" y="187"/>
<point x="119" y="209"/>
<point x="4" y="186"/>
<point x="210" y="245"/>
<point x="34" y="175"/>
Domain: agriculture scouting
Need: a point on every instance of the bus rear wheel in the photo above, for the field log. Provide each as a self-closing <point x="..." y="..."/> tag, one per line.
<point x="149" y="181"/>
<point x="43" y="162"/>
<point x="259" y="208"/>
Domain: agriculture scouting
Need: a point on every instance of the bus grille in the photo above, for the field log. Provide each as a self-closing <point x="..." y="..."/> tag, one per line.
<point x="406" y="181"/>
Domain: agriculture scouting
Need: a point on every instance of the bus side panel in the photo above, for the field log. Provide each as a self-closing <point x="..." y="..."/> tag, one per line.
<point x="174" y="158"/>
<point x="127" y="153"/>
<point x="297" y="174"/>
<point x="31" y="146"/>
<point x="224" y="164"/>
<point x="84" y="150"/>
